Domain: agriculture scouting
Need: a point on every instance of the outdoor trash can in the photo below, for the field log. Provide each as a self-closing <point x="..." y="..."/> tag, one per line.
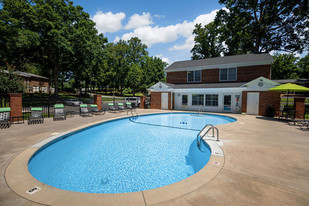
<point x="270" y="112"/>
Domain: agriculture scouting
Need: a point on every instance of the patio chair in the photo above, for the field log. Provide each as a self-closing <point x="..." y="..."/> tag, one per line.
<point x="59" y="113"/>
<point x="83" y="111"/>
<point x="120" y="107"/>
<point x="5" y="118"/>
<point x="303" y="124"/>
<point x="129" y="105"/>
<point x="297" y="119"/>
<point x="94" y="109"/>
<point x="36" y="116"/>
<point x="111" y="107"/>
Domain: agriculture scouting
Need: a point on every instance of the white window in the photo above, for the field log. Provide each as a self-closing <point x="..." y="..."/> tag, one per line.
<point x="197" y="99"/>
<point x="211" y="100"/>
<point x="228" y="74"/>
<point x="194" y="76"/>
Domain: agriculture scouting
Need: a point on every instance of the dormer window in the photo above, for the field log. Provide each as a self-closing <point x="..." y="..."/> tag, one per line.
<point x="194" y="76"/>
<point x="228" y="74"/>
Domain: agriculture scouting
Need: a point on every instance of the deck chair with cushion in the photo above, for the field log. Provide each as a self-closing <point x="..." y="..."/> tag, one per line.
<point x="59" y="113"/>
<point x="111" y="107"/>
<point x="5" y="118"/>
<point x="303" y="124"/>
<point x="129" y="105"/>
<point x="120" y="106"/>
<point x="94" y="109"/>
<point x="36" y="116"/>
<point x="83" y="111"/>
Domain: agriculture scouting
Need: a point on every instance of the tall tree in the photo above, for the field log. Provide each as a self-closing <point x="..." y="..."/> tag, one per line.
<point x="284" y="67"/>
<point x="9" y="81"/>
<point x="50" y="33"/>
<point x="207" y="42"/>
<point x="303" y="65"/>
<point x="134" y="78"/>
<point x="256" y="26"/>
<point x="152" y="72"/>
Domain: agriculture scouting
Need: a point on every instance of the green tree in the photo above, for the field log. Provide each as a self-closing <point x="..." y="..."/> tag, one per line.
<point x="284" y="67"/>
<point x="303" y="64"/>
<point x="274" y="25"/>
<point x="207" y="42"/>
<point x="257" y="26"/>
<point x="9" y="81"/>
<point x="54" y="34"/>
<point x="134" y="77"/>
<point x="152" y="72"/>
<point x="137" y="50"/>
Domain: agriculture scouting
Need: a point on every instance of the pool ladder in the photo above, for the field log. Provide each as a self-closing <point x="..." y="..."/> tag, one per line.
<point x="204" y="133"/>
<point x="200" y="109"/>
<point x="134" y="114"/>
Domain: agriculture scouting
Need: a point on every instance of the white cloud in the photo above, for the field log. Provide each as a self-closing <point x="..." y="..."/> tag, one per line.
<point x="187" y="45"/>
<point x="154" y="35"/>
<point x="108" y="22"/>
<point x="186" y="29"/>
<point x="205" y="19"/>
<point x="117" y="38"/>
<point x="158" y="16"/>
<point x="137" y="21"/>
<point x="163" y="58"/>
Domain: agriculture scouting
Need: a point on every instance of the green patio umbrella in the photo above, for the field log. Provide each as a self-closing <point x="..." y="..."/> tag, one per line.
<point x="289" y="87"/>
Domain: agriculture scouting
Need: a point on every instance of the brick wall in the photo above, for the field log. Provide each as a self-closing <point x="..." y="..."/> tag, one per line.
<point x="299" y="106"/>
<point x="98" y="101"/>
<point x="210" y="75"/>
<point x="266" y="99"/>
<point x="176" y="77"/>
<point x="15" y="104"/>
<point x="244" y="74"/>
<point x="156" y="100"/>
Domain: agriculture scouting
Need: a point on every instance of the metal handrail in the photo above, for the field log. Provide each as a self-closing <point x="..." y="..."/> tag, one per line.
<point x="132" y="115"/>
<point x="200" y="109"/>
<point x="205" y="131"/>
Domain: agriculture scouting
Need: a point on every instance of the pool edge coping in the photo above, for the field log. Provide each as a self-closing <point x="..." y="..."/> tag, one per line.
<point x="20" y="180"/>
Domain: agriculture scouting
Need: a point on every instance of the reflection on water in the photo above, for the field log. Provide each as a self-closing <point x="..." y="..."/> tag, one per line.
<point x="195" y="159"/>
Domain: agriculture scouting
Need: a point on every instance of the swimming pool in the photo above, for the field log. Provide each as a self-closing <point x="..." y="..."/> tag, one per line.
<point x="124" y="156"/>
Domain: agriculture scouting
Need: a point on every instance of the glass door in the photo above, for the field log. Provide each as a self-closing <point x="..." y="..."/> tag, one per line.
<point x="184" y="101"/>
<point x="227" y="103"/>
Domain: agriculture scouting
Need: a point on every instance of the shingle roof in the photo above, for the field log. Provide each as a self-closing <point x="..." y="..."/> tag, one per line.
<point x="245" y="58"/>
<point x="25" y="74"/>
<point x="208" y="85"/>
<point x="295" y="81"/>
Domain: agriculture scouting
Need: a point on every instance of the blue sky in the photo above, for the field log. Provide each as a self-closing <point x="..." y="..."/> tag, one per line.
<point x="164" y="26"/>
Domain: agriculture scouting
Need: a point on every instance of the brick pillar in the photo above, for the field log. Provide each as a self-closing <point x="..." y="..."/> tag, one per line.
<point x="299" y="105"/>
<point x="143" y="99"/>
<point x="16" y="104"/>
<point x="98" y="101"/>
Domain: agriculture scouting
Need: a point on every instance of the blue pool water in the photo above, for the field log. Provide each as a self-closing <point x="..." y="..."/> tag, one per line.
<point x="123" y="156"/>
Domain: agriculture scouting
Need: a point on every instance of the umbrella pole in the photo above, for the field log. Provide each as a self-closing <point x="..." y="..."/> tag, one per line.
<point x="287" y="102"/>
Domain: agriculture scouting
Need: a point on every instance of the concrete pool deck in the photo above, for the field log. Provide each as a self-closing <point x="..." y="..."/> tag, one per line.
<point x="265" y="163"/>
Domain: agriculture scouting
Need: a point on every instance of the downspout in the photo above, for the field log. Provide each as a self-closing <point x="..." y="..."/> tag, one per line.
<point x="171" y="100"/>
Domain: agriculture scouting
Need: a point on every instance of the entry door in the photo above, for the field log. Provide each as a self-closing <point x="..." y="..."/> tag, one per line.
<point x="184" y="101"/>
<point x="227" y="103"/>
<point x="253" y="103"/>
<point x="164" y="100"/>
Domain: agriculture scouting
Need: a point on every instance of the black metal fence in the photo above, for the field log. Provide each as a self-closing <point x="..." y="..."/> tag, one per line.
<point x="47" y="105"/>
<point x="4" y="101"/>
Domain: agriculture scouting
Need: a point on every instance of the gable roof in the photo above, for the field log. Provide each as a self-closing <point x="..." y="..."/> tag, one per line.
<point x="245" y="59"/>
<point x="261" y="79"/>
